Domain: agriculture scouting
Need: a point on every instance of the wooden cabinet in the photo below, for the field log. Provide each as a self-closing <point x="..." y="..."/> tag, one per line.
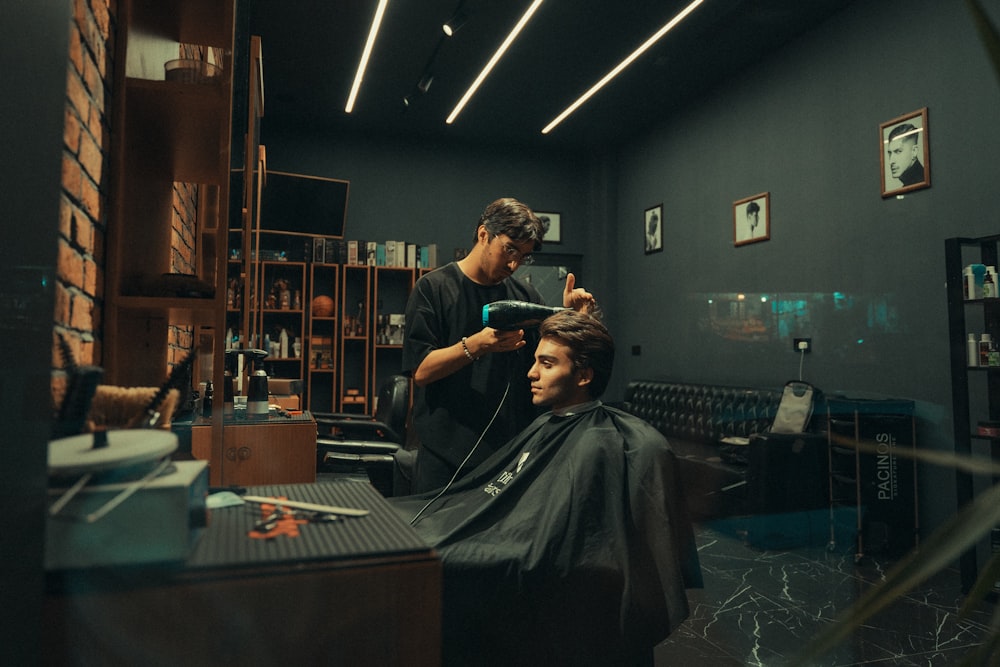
<point x="279" y="451"/>
<point x="975" y="387"/>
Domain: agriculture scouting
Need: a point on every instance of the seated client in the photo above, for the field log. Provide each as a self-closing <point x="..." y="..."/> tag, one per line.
<point x="571" y="545"/>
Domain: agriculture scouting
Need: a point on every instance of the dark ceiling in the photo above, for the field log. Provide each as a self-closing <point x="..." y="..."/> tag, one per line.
<point x="311" y="50"/>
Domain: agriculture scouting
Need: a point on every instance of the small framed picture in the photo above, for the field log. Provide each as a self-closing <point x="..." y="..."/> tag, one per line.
<point x="752" y="219"/>
<point x="905" y="154"/>
<point x="652" y="229"/>
<point x="552" y="224"/>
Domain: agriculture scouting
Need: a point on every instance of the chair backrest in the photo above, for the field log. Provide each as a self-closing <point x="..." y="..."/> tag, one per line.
<point x="394" y="403"/>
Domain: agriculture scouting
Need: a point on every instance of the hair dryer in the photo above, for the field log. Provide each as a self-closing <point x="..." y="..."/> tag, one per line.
<point x="510" y="314"/>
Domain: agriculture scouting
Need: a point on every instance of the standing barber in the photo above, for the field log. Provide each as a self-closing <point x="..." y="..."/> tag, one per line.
<point x="472" y="391"/>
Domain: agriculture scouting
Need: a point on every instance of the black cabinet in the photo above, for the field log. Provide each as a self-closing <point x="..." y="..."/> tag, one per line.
<point x="868" y="474"/>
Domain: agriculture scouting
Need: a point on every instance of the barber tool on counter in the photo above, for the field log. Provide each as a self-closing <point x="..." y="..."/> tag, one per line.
<point x="511" y="314"/>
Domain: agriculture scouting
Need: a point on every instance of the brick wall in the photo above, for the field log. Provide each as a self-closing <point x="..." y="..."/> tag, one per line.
<point x="85" y="186"/>
<point x="83" y="206"/>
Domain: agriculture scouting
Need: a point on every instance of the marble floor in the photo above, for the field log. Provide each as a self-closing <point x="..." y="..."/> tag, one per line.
<point x="760" y="605"/>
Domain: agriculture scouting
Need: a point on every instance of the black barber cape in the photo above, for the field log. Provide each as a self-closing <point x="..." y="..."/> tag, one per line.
<point x="570" y="545"/>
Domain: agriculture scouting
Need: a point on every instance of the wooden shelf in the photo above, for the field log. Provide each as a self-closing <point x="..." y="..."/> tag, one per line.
<point x="190" y="146"/>
<point x="208" y="22"/>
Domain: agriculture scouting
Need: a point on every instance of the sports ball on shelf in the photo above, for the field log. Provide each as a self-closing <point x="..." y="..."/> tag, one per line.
<point x="322" y="306"/>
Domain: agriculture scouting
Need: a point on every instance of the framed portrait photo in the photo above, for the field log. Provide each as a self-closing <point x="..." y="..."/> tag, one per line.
<point x="905" y="154"/>
<point x="752" y="219"/>
<point x="552" y="223"/>
<point x="652" y="229"/>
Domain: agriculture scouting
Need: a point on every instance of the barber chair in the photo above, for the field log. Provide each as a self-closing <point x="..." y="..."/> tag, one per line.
<point x="361" y="446"/>
<point x="788" y="476"/>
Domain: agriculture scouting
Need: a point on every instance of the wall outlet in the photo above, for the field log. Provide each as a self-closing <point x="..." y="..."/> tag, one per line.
<point x="802" y="344"/>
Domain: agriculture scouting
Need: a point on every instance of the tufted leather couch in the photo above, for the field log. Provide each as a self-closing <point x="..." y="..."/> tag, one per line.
<point x="695" y="418"/>
<point x="702" y="413"/>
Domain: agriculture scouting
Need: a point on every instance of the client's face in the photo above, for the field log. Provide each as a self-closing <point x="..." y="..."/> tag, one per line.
<point x="554" y="382"/>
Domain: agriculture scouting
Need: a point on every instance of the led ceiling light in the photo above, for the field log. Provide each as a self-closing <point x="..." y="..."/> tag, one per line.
<point x="366" y="54"/>
<point x="622" y="65"/>
<point x="425" y="82"/>
<point x="493" y="61"/>
<point x="455" y="23"/>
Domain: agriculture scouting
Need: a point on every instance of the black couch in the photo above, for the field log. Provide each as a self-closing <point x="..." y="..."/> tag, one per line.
<point x="771" y="474"/>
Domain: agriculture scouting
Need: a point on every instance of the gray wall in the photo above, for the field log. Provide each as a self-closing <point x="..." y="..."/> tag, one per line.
<point x="802" y="125"/>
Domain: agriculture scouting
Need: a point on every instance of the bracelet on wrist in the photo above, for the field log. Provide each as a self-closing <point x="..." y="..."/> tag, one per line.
<point x="465" y="348"/>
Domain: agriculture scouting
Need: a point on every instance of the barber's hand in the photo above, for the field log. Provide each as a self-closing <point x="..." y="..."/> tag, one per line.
<point x="494" y="340"/>
<point x="577" y="298"/>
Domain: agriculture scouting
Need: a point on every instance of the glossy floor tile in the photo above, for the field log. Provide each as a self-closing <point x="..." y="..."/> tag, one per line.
<point x="760" y="605"/>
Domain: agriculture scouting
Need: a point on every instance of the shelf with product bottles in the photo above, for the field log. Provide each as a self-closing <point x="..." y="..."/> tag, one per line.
<point x="975" y="386"/>
<point x="355" y="342"/>
<point x="282" y="317"/>
<point x="391" y="287"/>
<point x="321" y="349"/>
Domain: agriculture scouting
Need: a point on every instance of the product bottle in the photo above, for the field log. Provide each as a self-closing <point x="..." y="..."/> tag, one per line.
<point x="972" y="350"/>
<point x="283" y="338"/>
<point x="984" y="349"/>
<point x="978" y="276"/>
<point x="257" y="397"/>
<point x="989" y="287"/>
<point x="968" y="282"/>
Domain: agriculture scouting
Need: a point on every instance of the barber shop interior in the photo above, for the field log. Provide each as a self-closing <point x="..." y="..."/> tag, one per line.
<point x="473" y="333"/>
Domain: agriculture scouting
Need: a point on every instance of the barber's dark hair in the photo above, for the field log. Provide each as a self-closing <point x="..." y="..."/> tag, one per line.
<point x="510" y="217"/>
<point x="590" y="343"/>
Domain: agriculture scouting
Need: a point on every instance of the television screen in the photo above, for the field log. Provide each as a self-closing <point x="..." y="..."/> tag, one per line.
<point x="309" y="205"/>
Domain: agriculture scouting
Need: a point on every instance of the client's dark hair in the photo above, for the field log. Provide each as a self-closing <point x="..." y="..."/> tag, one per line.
<point x="590" y="344"/>
<point x="510" y="217"/>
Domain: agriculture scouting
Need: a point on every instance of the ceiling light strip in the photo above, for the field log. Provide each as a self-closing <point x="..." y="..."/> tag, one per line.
<point x="363" y="64"/>
<point x="493" y="61"/>
<point x="622" y="65"/>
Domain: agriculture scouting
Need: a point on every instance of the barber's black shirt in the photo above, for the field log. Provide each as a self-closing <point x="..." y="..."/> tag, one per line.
<point x="450" y="415"/>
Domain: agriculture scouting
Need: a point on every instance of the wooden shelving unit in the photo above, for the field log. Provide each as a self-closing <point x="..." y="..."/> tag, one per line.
<point x="171" y="137"/>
